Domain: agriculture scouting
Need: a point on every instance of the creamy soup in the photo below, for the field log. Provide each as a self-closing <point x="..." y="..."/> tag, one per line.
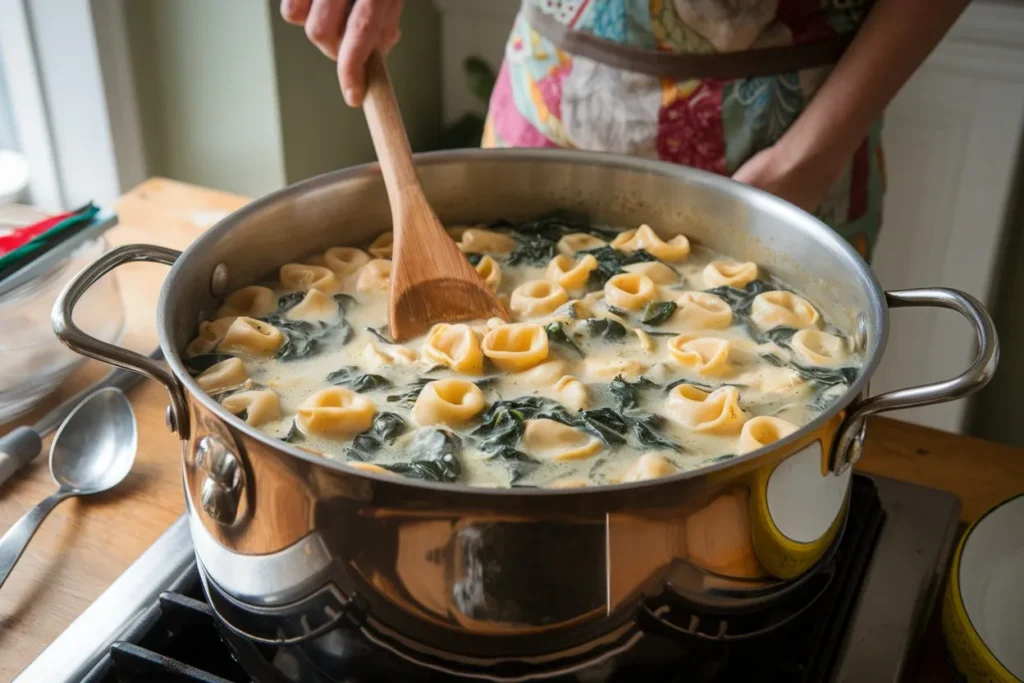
<point x="627" y="357"/>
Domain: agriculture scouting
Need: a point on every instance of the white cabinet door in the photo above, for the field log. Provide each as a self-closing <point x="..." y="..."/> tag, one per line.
<point x="952" y="144"/>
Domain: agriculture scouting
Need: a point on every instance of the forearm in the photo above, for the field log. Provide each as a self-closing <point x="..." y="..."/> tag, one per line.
<point x="892" y="43"/>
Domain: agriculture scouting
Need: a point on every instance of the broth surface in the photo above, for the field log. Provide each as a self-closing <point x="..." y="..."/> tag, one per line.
<point x="627" y="357"/>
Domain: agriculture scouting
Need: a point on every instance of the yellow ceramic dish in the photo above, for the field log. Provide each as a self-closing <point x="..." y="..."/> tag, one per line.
<point x="983" y="609"/>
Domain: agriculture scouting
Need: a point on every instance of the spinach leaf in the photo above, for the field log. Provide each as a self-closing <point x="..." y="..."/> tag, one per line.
<point x="604" y="423"/>
<point x="530" y="407"/>
<point x="486" y="382"/>
<point x="517" y="463"/>
<point x="626" y="393"/>
<point x="604" y="329"/>
<point x="724" y="456"/>
<point x="289" y="301"/>
<point x="741" y="299"/>
<point x="823" y="377"/>
<point x="379" y="335"/>
<point x="410" y="395"/>
<point x="700" y="385"/>
<point x="657" y="312"/>
<point x="779" y="335"/>
<point x="617" y="311"/>
<point x="293" y="435"/>
<point x="244" y="415"/>
<point x="435" y="457"/>
<point x="384" y="429"/>
<point x="353" y="379"/>
<point x="554" y="226"/>
<point x="568" y="310"/>
<point x="611" y="262"/>
<point x="557" y="334"/>
<point x="196" y="365"/>
<point x="502" y="427"/>
<point x="343" y="301"/>
<point x="474" y="258"/>
<point x="304" y="339"/>
<point x="533" y="250"/>
<point x="646" y="429"/>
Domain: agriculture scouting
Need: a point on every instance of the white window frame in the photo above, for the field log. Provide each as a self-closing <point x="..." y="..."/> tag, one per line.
<point x="73" y="100"/>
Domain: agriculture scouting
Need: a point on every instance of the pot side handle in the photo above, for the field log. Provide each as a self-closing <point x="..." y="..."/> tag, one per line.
<point x="849" y="438"/>
<point x="78" y="341"/>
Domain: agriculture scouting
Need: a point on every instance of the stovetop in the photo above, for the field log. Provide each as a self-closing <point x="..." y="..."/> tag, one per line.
<point x="886" y="571"/>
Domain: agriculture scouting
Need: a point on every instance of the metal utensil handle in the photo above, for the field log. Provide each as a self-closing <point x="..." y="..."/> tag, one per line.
<point x="80" y="342"/>
<point x="14" y="542"/>
<point x="847" y="449"/>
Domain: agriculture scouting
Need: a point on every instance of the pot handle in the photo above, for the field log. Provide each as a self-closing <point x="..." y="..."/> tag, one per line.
<point x="850" y="436"/>
<point x="78" y="341"/>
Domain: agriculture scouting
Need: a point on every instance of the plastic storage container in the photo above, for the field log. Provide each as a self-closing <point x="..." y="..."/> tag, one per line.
<point x="33" y="363"/>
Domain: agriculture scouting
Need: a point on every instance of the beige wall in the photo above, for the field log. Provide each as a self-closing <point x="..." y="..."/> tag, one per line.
<point x="207" y="95"/>
<point x="996" y="411"/>
<point x="320" y="132"/>
<point x="232" y="97"/>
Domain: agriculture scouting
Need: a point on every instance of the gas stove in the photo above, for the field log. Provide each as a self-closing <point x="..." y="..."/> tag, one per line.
<point x="154" y="623"/>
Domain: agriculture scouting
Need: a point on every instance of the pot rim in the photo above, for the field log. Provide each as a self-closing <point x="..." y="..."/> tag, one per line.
<point x="758" y="199"/>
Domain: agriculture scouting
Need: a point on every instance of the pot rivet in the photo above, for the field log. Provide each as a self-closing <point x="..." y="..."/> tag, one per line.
<point x="169" y="419"/>
<point x="219" y="280"/>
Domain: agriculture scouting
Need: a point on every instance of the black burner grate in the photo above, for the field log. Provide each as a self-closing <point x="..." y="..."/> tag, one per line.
<point x="177" y="640"/>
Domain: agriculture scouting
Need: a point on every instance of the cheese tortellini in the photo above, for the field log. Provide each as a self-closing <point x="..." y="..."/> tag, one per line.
<point x="479" y="241"/>
<point x="375" y="276"/>
<point x="536" y="298"/>
<point x="644" y="238"/>
<point x="658" y="272"/>
<point x="335" y="412"/>
<point x="490" y="271"/>
<point x="702" y="311"/>
<point x="450" y="402"/>
<point x="260" y="406"/>
<point x="456" y="347"/>
<point x="345" y="261"/>
<point x="760" y="431"/>
<point x="252" y="338"/>
<point x="626" y="357"/>
<point x="550" y="440"/>
<point x="516" y="347"/>
<point x="223" y="376"/>
<point x="783" y="309"/>
<point x="815" y="347"/>
<point x="649" y="466"/>
<point x="576" y="242"/>
<point x="253" y="302"/>
<point x="302" y="276"/>
<point x="211" y="333"/>
<point x="314" y="307"/>
<point x="631" y="291"/>
<point x="729" y="274"/>
<point x="717" y="412"/>
<point x="569" y="273"/>
<point x="383" y="246"/>
<point x="708" y="356"/>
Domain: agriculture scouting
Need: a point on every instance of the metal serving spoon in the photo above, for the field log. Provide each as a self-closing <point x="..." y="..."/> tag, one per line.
<point x="93" y="451"/>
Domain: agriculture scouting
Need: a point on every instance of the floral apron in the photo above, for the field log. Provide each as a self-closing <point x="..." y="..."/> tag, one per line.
<point x="703" y="83"/>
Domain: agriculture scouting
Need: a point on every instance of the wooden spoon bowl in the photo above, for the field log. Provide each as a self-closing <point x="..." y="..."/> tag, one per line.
<point x="431" y="280"/>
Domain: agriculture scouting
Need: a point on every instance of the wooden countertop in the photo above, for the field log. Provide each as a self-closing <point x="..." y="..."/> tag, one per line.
<point x="85" y="544"/>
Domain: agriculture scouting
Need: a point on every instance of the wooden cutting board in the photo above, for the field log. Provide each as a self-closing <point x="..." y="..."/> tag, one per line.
<point x="84" y="545"/>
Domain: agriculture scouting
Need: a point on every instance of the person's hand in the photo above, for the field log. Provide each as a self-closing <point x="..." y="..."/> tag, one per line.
<point x="786" y="174"/>
<point x="348" y="31"/>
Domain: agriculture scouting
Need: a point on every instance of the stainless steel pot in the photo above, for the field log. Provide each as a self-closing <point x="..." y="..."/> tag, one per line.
<point x="294" y="546"/>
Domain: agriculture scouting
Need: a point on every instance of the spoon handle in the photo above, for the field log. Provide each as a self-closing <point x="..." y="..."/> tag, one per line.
<point x="14" y="542"/>
<point x="387" y="131"/>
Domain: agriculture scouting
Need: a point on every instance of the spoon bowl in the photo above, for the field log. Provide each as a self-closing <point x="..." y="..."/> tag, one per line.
<point x="93" y="451"/>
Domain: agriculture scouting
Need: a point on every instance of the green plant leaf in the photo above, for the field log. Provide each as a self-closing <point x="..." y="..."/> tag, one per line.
<point x="480" y="78"/>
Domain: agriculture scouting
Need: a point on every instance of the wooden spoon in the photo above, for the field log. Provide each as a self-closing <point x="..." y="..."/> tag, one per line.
<point x="431" y="280"/>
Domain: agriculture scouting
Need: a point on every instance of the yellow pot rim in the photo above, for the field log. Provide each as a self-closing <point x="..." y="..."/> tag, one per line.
<point x="958" y="611"/>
